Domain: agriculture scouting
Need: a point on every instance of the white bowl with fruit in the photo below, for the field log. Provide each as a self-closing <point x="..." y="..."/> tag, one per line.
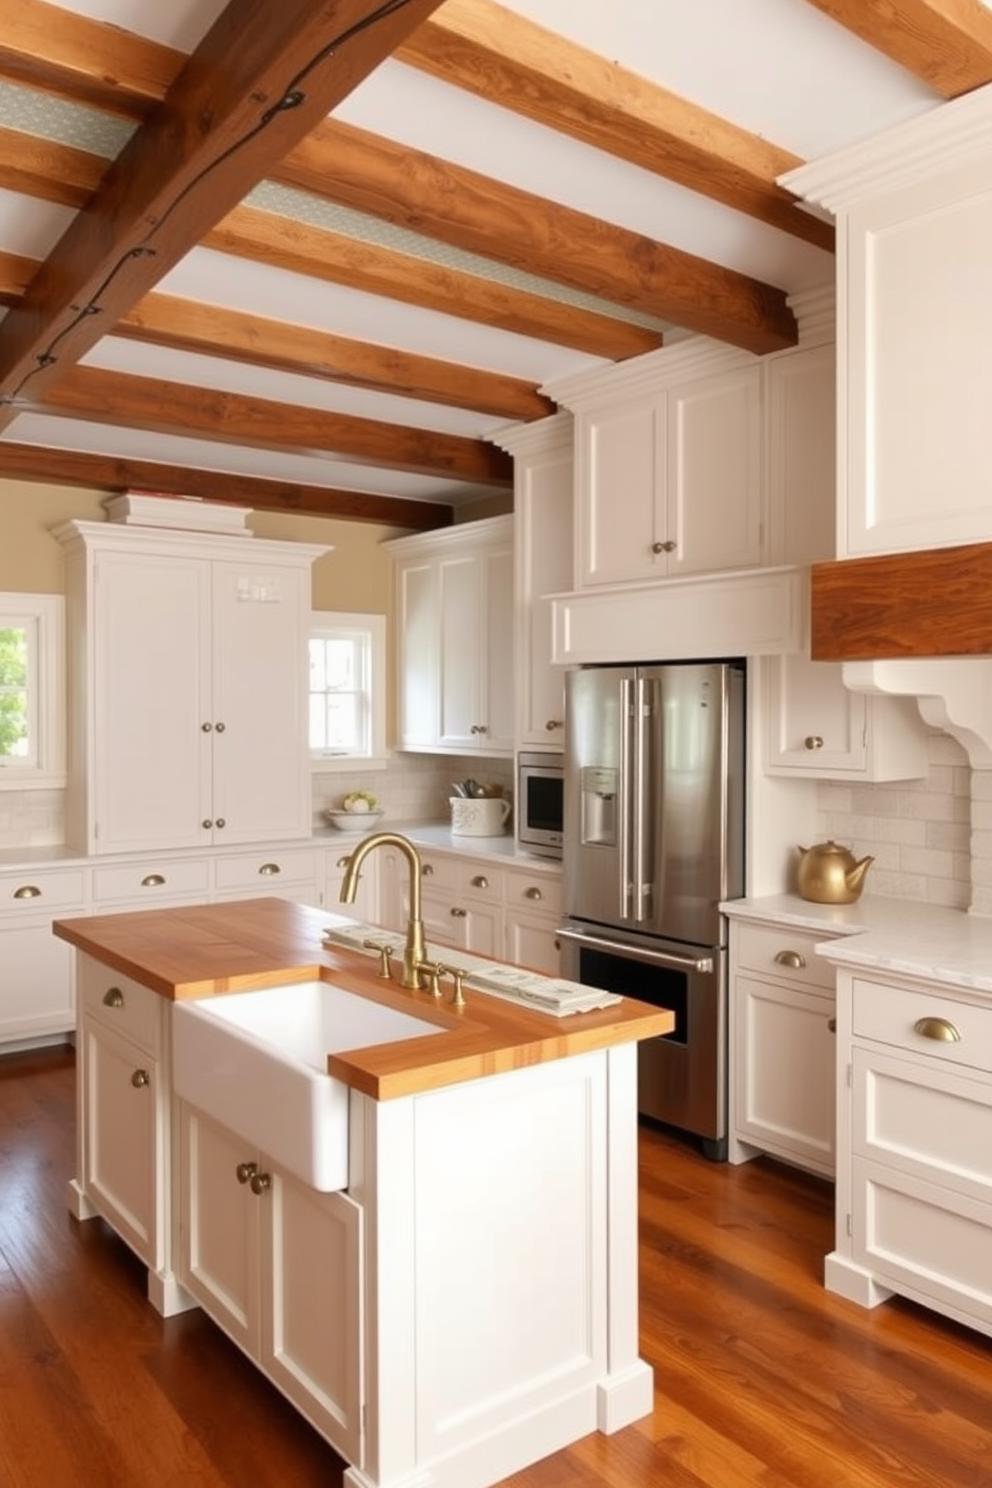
<point x="359" y="812"/>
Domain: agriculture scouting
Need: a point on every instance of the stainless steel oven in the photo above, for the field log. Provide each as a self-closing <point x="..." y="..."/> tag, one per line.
<point x="540" y="805"/>
<point x="682" y="1077"/>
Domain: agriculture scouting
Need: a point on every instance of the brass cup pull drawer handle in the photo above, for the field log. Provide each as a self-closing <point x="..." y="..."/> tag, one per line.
<point x="27" y="891"/>
<point x="140" y="1079"/>
<point x="480" y="881"/>
<point x="268" y="869"/>
<point x="428" y="870"/>
<point x="533" y="893"/>
<point x="791" y="958"/>
<point x="152" y="881"/>
<point x="113" y="998"/>
<point x="937" y="1028"/>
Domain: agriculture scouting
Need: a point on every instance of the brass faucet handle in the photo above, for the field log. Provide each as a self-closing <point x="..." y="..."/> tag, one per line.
<point x="385" y="953"/>
<point x="433" y="971"/>
<point x="458" y="977"/>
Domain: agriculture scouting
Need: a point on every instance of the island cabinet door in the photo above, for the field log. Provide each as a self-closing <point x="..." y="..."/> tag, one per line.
<point x="312" y="1307"/>
<point x="219" y="1226"/>
<point x="120" y="1109"/>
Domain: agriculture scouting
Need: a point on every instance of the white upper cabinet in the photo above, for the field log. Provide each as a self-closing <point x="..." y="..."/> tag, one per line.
<point x="454" y="612"/>
<point x="188" y="688"/>
<point x="914" y="331"/>
<point x="668" y="466"/>
<point x="801" y="439"/>
<point x="543" y="480"/>
<point x="816" y="726"/>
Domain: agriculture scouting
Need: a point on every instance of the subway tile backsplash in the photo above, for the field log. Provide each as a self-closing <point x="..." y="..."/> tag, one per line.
<point x="415" y="787"/>
<point x="918" y="831"/>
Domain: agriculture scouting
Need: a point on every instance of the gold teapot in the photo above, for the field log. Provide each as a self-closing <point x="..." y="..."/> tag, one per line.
<point x="830" y="874"/>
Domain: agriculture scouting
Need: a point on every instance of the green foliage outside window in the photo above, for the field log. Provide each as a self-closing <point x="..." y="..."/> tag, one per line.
<point x="14" y="732"/>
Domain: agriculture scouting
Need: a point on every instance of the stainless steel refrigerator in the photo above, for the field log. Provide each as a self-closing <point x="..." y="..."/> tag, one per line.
<point x="653" y="841"/>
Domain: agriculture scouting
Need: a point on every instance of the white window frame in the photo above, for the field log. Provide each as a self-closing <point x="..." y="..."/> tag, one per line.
<point x="329" y="622"/>
<point x="45" y="615"/>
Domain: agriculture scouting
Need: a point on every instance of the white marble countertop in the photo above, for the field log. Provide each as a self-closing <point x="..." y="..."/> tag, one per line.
<point x="903" y="937"/>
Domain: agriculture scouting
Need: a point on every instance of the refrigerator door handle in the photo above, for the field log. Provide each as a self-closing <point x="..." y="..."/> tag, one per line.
<point x="701" y="964"/>
<point x="638" y="824"/>
<point x="625" y="804"/>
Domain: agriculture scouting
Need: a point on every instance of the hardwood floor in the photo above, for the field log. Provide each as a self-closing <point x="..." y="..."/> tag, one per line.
<point x="763" y="1380"/>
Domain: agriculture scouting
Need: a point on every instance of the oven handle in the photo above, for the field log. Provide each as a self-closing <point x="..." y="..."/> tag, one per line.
<point x="701" y="964"/>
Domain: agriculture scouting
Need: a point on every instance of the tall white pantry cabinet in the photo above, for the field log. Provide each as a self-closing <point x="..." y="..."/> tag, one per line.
<point x="188" y="687"/>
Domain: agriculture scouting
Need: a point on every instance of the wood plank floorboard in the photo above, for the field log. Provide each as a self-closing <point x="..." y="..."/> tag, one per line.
<point x="762" y="1378"/>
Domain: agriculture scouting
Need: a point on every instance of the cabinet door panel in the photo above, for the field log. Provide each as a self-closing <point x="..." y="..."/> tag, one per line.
<point x="36" y="982"/>
<point x="120" y="1148"/>
<point x="785" y="1077"/>
<point x="219" y="1227"/>
<point x="714" y="473"/>
<point x="151" y="689"/>
<point x="462" y="704"/>
<point x="418" y="658"/>
<point x="543" y="541"/>
<point x="532" y="942"/>
<point x="815" y="723"/>
<point x="312" y="1306"/>
<point x="498" y="633"/>
<point x="620" y="471"/>
<point x="261" y="786"/>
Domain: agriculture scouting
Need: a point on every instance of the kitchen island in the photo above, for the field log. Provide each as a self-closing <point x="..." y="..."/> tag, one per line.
<point x="467" y="1302"/>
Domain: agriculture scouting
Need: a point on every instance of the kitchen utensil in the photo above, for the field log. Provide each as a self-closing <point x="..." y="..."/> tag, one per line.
<point x="457" y="789"/>
<point x="830" y="874"/>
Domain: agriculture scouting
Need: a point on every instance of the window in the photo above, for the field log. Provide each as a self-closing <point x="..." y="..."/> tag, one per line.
<point x="347" y="690"/>
<point x="32" y="728"/>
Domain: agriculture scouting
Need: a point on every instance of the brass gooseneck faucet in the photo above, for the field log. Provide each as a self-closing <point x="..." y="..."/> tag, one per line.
<point x="414" y="950"/>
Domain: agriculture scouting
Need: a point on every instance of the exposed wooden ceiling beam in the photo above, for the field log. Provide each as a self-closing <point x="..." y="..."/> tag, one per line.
<point x="285" y="243"/>
<point x="508" y="60"/>
<point x="260" y="79"/>
<point x="51" y="172"/>
<point x="82" y="60"/>
<point x="480" y="215"/>
<point x="233" y="418"/>
<point x="947" y="43"/>
<point x="16" y="273"/>
<point x="187" y="325"/>
<point x="29" y="462"/>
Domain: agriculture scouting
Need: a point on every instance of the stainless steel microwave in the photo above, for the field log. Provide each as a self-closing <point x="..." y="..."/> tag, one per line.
<point x="540" y="803"/>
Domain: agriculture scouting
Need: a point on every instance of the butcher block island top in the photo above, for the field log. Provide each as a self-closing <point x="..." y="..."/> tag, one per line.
<point x="208" y="950"/>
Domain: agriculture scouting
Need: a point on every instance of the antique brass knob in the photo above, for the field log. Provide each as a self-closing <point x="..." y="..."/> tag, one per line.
<point x="533" y="893"/>
<point x="140" y="1079"/>
<point x="480" y="881"/>
<point x="260" y="1182"/>
<point x="245" y="1171"/>
<point x="813" y="741"/>
<point x="458" y="913"/>
<point x="220" y="822"/>
<point x="554" y="723"/>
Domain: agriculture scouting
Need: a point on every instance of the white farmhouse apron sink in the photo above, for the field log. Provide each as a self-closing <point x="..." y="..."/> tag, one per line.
<point x="257" y="1063"/>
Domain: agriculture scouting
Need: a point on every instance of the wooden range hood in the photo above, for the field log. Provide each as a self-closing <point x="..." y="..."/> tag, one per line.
<point x="932" y="603"/>
<point x="915" y="624"/>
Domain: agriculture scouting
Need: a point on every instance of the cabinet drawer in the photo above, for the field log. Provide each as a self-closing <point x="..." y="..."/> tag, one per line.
<point x="262" y="872"/>
<point x="539" y="892"/>
<point x="36" y="892"/>
<point x="444" y="874"/>
<point x="782" y="952"/>
<point x="157" y="880"/>
<point x="925" y="1022"/>
<point x="117" y="1001"/>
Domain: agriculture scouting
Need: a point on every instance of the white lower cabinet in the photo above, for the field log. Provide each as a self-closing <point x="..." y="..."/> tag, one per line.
<point x="123" y="1118"/>
<point x="462" y="904"/>
<point x="783" y="1046"/>
<point x="914" y="1173"/>
<point x="36" y="970"/>
<point x="277" y="1265"/>
<point x="532" y="916"/>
